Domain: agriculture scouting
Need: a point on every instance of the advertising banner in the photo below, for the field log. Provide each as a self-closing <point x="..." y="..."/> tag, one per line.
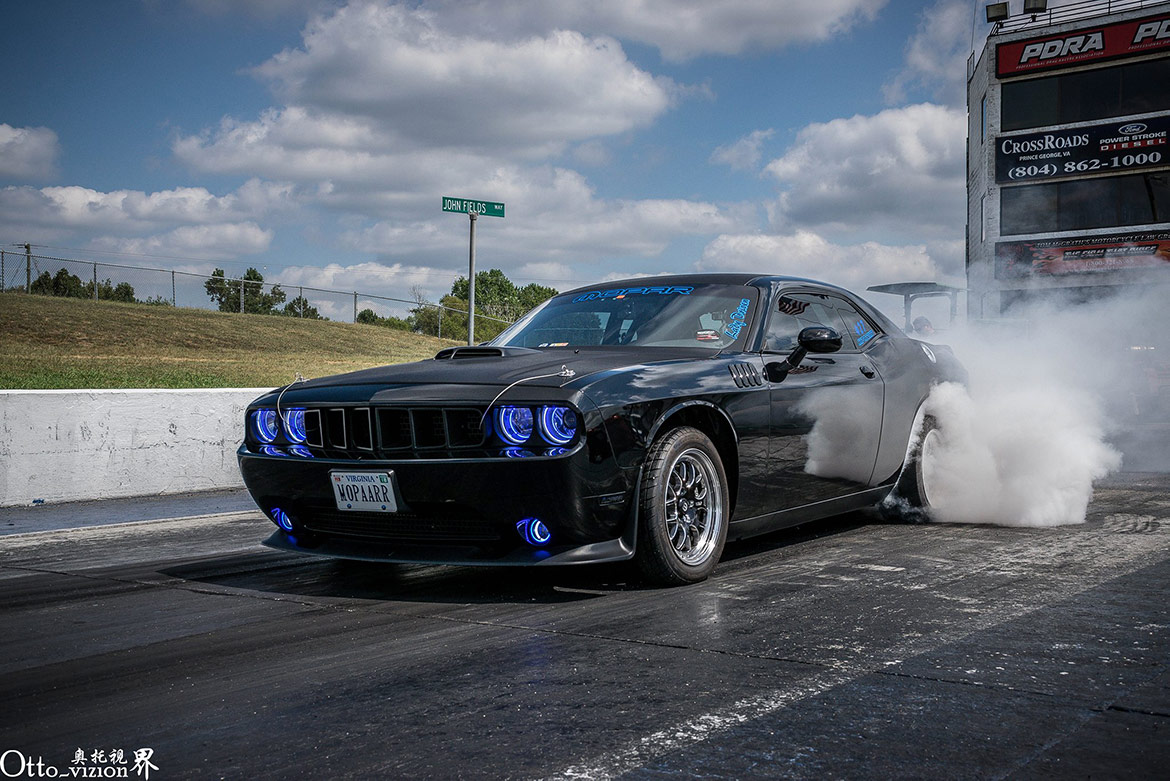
<point x="1124" y="39"/>
<point x="1081" y="255"/>
<point x="1112" y="147"/>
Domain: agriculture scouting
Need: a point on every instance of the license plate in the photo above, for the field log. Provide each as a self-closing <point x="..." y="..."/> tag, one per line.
<point x="370" y="492"/>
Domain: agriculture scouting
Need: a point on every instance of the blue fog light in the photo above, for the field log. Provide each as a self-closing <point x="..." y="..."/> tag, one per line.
<point x="269" y="450"/>
<point x="294" y="425"/>
<point x="282" y="519"/>
<point x="534" y="531"/>
<point x="514" y="424"/>
<point x="517" y="452"/>
<point x="300" y="450"/>
<point x="556" y="451"/>
<point x="263" y="423"/>
<point x="558" y="425"/>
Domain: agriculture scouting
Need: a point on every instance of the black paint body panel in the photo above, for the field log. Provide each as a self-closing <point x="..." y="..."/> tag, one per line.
<point x="462" y="504"/>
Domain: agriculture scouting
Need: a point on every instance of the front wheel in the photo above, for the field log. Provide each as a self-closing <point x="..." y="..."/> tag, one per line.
<point x="683" y="509"/>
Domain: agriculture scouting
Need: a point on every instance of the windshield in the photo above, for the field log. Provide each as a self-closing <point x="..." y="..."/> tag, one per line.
<point x="706" y="316"/>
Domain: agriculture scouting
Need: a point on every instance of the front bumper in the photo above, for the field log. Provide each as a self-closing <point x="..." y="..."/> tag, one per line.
<point x="461" y="510"/>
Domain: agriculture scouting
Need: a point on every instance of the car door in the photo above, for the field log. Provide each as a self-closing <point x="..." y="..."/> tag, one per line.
<point x="826" y="414"/>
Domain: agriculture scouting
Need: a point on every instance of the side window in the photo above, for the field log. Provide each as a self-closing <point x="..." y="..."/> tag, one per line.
<point x="858" y="327"/>
<point x="796" y="311"/>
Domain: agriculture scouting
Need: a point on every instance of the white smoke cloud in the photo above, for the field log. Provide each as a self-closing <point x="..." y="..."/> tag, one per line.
<point x="1052" y="388"/>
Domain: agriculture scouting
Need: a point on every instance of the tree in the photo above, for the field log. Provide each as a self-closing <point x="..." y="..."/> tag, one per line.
<point x="300" y="307"/>
<point x="370" y="317"/>
<point x="62" y="285"/>
<point x="226" y="293"/>
<point x="495" y="296"/>
<point x="66" y="285"/>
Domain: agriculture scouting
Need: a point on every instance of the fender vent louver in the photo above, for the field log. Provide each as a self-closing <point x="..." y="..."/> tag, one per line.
<point x="745" y="375"/>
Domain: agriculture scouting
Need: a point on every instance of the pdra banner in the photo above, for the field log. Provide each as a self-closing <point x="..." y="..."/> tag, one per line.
<point x="1124" y="39"/>
<point x="1082" y="254"/>
<point x="1108" y="147"/>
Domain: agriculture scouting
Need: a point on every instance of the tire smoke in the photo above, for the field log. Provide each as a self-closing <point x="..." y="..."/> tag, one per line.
<point x="1049" y="387"/>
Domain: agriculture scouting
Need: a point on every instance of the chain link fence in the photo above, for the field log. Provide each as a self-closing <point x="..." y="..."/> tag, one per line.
<point x="99" y="280"/>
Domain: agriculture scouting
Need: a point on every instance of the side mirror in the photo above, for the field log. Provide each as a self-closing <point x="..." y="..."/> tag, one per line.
<point x="814" y="339"/>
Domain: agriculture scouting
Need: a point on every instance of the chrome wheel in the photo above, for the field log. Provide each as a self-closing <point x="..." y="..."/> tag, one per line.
<point x="928" y="465"/>
<point x="683" y="508"/>
<point x="693" y="511"/>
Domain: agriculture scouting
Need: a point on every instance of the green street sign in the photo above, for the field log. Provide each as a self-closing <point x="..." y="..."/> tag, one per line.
<point x="480" y="208"/>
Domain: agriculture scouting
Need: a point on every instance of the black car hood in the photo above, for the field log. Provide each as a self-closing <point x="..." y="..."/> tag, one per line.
<point x="503" y="366"/>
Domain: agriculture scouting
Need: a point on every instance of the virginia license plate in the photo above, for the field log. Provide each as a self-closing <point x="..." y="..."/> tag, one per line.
<point x="370" y="492"/>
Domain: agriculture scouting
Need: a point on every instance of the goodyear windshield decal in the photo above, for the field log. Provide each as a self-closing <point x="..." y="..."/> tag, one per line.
<point x="669" y="290"/>
<point x="738" y="319"/>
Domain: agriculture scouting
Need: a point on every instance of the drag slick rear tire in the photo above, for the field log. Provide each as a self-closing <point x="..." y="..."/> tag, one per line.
<point x="683" y="509"/>
<point x="910" y="498"/>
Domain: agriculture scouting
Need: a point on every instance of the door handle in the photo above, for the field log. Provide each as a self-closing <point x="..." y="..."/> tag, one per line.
<point x="868" y="372"/>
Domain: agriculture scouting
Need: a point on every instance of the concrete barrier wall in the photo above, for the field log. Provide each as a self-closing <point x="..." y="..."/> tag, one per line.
<point x="64" y="446"/>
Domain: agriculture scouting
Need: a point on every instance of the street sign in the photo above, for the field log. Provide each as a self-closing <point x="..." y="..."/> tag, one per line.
<point x="481" y="208"/>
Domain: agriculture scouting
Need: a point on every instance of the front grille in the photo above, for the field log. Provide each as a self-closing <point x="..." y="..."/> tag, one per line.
<point x="357" y="430"/>
<point x="402" y="527"/>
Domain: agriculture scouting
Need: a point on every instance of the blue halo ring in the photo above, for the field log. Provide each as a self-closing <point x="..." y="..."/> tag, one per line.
<point x="294" y="425"/>
<point x="514" y="424"/>
<point x="264" y="427"/>
<point x="558" y="425"/>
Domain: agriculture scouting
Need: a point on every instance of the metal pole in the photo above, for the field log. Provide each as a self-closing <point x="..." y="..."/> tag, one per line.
<point x="174" y="299"/>
<point x="27" y="268"/>
<point x="301" y="296"/>
<point x="3" y="278"/>
<point x="440" y="322"/>
<point x="471" y="283"/>
<point x="241" y="295"/>
<point x="95" y="297"/>
<point x="355" y="306"/>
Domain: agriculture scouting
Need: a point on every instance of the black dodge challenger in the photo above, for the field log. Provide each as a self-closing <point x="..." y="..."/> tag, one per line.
<point x="649" y="419"/>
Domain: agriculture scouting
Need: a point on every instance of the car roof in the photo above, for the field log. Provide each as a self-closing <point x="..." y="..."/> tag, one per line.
<point x="702" y="279"/>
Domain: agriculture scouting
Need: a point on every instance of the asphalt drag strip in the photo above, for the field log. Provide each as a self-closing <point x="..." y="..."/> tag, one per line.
<point x="845" y="649"/>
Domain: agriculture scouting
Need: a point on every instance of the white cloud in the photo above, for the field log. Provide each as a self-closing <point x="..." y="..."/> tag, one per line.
<point x="130" y="211"/>
<point x="527" y="97"/>
<point x="28" y="153"/>
<point x="807" y="254"/>
<point x="219" y="241"/>
<point x="744" y="154"/>
<point x="900" y="171"/>
<point x="680" y="29"/>
<point x="936" y="57"/>
<point x="558" y="219"/>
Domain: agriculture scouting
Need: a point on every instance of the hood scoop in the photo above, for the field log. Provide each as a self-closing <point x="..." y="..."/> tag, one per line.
<point x="480" y="351"/>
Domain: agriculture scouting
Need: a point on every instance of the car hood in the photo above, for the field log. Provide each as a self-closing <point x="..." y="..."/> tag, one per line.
<point x="506" y="365"/>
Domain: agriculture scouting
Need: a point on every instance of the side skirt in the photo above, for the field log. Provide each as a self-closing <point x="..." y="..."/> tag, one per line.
<point x="782" y="519"/>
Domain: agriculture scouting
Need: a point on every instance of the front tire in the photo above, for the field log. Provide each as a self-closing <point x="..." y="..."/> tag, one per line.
<point x="683" y="509"/>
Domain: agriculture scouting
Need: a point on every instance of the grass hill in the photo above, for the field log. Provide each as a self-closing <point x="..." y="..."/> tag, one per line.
<point x="76" y="343"/>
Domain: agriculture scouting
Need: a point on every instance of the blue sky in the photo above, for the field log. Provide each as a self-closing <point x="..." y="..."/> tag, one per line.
<point x="315" y="139"/>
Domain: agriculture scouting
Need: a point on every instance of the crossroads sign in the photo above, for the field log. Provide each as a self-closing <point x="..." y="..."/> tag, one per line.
<point x="480" y="208"/>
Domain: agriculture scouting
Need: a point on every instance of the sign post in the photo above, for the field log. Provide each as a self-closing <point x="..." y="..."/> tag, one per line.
<point x="472" y="209"/>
